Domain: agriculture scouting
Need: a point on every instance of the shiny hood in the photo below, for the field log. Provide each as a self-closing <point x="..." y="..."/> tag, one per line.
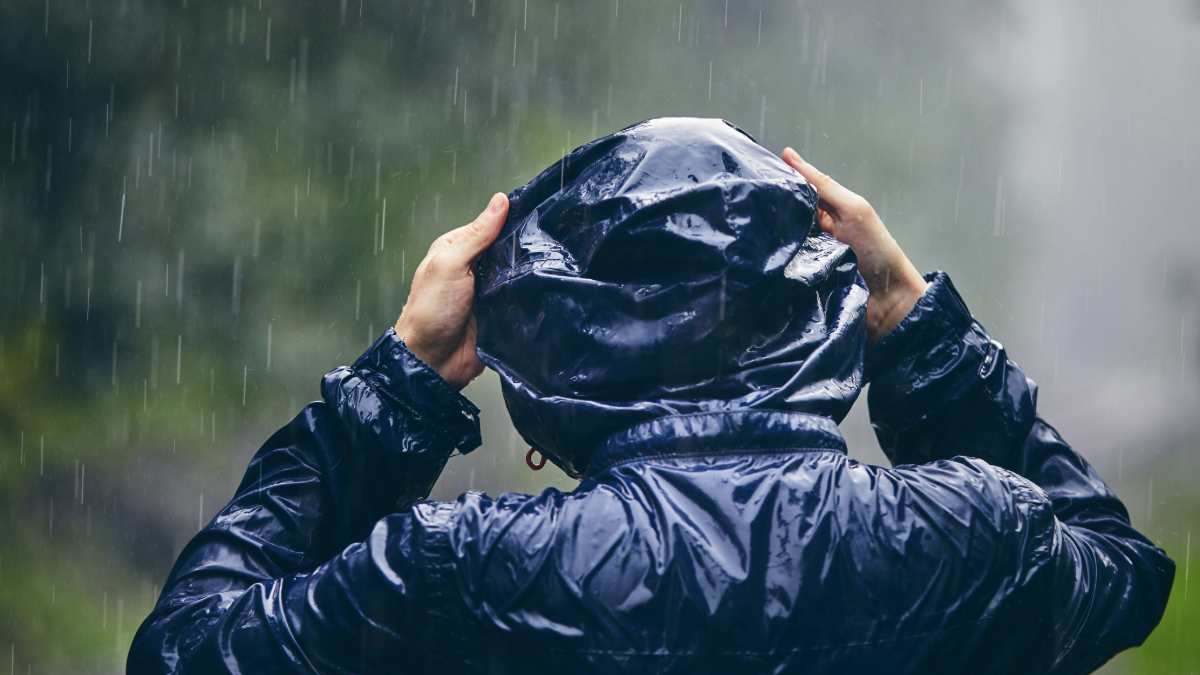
<point x="674" y="267"/>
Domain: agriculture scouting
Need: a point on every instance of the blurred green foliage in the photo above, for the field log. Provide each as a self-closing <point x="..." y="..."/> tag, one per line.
<point x="206" y="206"/>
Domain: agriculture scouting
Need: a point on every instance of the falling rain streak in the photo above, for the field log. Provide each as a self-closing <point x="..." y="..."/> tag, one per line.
<point x="1016" y="170"/>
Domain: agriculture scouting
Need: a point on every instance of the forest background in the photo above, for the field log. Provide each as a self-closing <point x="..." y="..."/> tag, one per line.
<point x="205" y="206"/>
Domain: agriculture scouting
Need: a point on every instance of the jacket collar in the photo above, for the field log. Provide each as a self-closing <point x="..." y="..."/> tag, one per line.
<point x="744" y="432"/>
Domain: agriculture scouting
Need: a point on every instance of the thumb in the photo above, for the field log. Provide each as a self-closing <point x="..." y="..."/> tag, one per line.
<point x="470" y="241"/>
<point x="828" y="189"/>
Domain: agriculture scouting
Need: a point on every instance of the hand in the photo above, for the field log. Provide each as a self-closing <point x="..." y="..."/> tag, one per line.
<point x="438" y="320"/>
<point x="894" y="283"/>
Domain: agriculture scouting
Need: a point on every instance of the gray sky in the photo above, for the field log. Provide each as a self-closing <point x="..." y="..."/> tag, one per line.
<point x="1104" y="154"/>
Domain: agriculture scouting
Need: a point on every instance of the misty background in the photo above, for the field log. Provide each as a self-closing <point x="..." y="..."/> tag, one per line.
<point x="204" y="207"/>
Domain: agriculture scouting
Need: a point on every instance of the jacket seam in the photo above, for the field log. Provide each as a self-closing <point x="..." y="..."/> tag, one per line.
<point x="437" y="599"/>
<point x="737" y="452"/>
<point x="627" y="431"/>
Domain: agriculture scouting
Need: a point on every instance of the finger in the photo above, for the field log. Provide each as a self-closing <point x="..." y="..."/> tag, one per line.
<point x="825" y="220"/>
<point x="828" y="190"/>
<point x="469" y="241"/>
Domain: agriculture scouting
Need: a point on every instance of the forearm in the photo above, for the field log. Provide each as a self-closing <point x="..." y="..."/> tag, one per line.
<point x="360" y="612"/>
<point x="379" y="439"/>
<point x="404" y="418"/>
<point x="941" y="387"/>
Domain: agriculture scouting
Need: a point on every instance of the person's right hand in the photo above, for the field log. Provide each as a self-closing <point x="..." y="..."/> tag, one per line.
<point x="438" y="321"/>
<point x="894" y="283"/>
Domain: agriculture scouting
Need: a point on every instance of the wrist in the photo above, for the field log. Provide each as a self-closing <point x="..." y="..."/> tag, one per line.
<point x="410" y="384"/>
<point x="405" y="334"/>
<point x="887" y="308"/>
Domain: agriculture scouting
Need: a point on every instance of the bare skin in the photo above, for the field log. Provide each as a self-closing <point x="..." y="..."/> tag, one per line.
<point x="894" y="283"/>
<point x="438" y="321"/>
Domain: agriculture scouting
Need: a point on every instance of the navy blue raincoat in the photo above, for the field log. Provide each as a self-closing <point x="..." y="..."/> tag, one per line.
<point x="670" y="327"/>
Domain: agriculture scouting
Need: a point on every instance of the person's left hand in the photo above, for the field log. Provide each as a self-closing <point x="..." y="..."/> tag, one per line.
<point x="438" y="320"/>
<point x="894" y="283"/>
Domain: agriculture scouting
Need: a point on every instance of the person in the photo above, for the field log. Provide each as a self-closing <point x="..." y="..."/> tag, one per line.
<point x="680" y="319"/>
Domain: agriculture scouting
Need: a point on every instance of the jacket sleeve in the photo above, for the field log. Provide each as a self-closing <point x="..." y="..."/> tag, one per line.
<point x="299" y="545"/>
<point x="941" y="387"/>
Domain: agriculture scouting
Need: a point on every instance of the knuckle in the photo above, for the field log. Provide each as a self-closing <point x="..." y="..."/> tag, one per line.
<point x="434" y="264"/>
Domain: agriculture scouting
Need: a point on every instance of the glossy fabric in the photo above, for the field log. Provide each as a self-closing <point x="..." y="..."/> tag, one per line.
<point x="666" y="269"/>
<point x="739" y="539"/>
<point x="722" y="542"/>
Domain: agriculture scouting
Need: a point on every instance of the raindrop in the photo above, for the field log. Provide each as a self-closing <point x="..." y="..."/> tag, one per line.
<point x="236" y="300"/>
<point x="121" y="221"/>
<point x="762" y="119"/>
<point x="998" y="228"/>
<point x="1150" y="502"/>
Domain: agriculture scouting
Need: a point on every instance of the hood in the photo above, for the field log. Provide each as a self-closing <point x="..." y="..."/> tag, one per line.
<point x="674" y="267"/>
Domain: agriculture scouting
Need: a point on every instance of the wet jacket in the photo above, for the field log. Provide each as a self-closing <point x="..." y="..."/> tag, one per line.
<point x="705" y="536"/>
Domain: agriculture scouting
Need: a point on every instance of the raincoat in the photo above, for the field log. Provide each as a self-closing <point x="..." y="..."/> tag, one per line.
<point x="671" y="327"/>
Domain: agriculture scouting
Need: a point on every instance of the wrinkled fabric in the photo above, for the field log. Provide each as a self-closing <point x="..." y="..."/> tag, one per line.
<point x="703" y="540"/>
<point x="679" y="249"/>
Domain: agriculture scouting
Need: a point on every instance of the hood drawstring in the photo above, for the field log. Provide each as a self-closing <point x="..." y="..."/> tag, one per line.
<point x="529" y="461"/>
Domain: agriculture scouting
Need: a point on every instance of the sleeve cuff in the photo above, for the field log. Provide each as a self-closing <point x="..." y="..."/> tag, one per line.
<point x="407" y="381"/>
<point x="939" y="314"/>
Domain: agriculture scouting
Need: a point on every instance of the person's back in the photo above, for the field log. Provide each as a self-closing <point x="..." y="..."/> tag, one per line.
<point x="668" y="329"/>
<point x="787" y="559"/>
